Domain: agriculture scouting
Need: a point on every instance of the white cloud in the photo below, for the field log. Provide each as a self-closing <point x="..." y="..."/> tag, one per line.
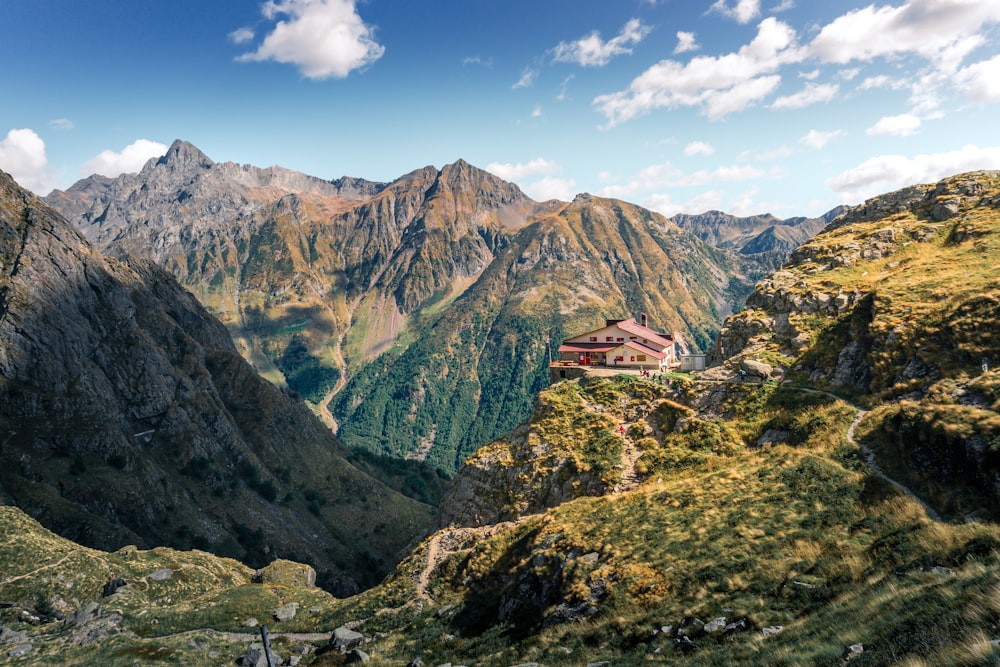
<point x="478" y="60"/>
<point x="818" y="138"/>
<point x="62" y="123"/>
<point x="925" y="27"/>
<point x="809" y="76"/>
<point x="22" y="155"/>
<point x="981" y="81"/>
<point x="784" y="6"/>
<point x="550" y="187"/>
<point x="885" y="173"/>
<point x="698" y="148"/>
<point x="686" y="42"/>
<point x="520" y="170"/>
<point x="130" y="160"/>
<point x="849" y="74"/>
<point x="719" y="84"/>
<point x="744" y="11"/>
<point x="813" y="93"/>
<point x="744" y="203"/>
<point x="527" y="78"/>
<point x="591" y="51"/>
<point x="536" y="112"/>
<point x="324" y="38"/>
<point x="881" y="81"/>
<point x="666" y="175"/>
<point x="241" y="35"/>
<point x="902" y="125"/>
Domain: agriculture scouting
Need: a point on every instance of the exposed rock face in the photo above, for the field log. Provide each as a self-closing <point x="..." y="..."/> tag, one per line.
<point x="451" y="275"/>
<point x="127" y="415"/>
<point x="898" y="298"/>
<point x="768" y="238"/>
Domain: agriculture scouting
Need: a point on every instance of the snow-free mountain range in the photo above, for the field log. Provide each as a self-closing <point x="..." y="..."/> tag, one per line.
<point x="414" y="314"/>
<point x="824" y="493"/>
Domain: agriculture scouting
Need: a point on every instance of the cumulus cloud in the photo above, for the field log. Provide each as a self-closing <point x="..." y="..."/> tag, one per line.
<point x="551" y="187"/>
<point x="536" y="112"/>
<point x="813" y="93"/>
<point x="323" y="38"/>
<point x="686" y="42"/>
<point x="925" y="27"/>
<point x="718" y="84"/>
<point x="591" y="51"/>
<point x="818" y="138"/>
<point x="783" y="6"/>
<point x="62" y="123"/>
<point x="129" y="160"/>
<point x="520" y="170"/>
<point x="241" y="35"/>
<point x="698" y="148"/>
<point x="981" y="81"/>
<point x="743" y="11"/>
<point x="902" y="125"/>
<point x="891" y="172"/>
<point x="22" y="155"/>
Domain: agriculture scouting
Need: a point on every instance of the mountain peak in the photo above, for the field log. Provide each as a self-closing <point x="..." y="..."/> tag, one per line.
<point x="184" y="155"/>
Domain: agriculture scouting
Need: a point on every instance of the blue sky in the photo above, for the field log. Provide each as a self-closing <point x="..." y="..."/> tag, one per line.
<point x="746" y="106"/>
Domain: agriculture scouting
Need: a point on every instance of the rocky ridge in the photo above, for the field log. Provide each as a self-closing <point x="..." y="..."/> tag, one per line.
<point x="337" y="288"/>
<point x="128" y="416"/>
<point x="893" y="301"/>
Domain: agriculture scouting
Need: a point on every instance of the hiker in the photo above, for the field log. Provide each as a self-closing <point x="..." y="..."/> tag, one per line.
<point x="743" y="375"/>
<point x="621" y="429"/>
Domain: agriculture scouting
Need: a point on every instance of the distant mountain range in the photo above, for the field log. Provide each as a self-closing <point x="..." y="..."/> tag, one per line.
<point x="127" y="416"/>
<point x="414" y="314"/>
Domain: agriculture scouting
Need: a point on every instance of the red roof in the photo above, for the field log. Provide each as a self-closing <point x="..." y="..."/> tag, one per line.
<point x="636" y="329"/>
<point x="642" y="349"/>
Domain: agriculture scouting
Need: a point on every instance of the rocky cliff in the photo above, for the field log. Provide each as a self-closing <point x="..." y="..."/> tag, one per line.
<point x="128" y="416"/>
<point x="895" y="303"/>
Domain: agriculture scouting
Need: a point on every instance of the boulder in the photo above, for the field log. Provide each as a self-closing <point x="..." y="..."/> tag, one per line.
<point x="19" y="650"/>
<point x="715" y="625"/>
<point x="756" y="368"/>
<point x="286" y="612"/>
<point x="853" y="651"/>
<point x="286" y="572"/>
<point x="256" y="657"/>
<point x="772" y="630"/>
<point x="8" y="636"/>
<point x="344" y="639"/>
<point x="356" y="655"/>
<point x="161" y="575"/>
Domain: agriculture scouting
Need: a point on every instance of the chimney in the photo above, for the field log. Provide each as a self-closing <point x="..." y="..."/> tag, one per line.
<point x="643" y="316"/>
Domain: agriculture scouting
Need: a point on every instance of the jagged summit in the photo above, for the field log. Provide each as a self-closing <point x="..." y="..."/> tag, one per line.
<point x="183" y="156"/>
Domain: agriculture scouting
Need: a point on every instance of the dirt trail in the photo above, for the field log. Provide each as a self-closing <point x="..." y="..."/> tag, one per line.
<point x="631" y="452"/>
<point x="447" y="541"/>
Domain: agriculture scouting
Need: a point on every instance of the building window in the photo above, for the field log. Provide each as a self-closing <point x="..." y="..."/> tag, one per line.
<point x="593" y="339"/>
<point x="631" y="337"/>
<point x="621" y="340"/>
<point x="608" y="339"/>
<point x="632" y="358"/>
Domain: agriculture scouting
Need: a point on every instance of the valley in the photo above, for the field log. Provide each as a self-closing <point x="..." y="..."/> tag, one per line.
<point x="393" y="308"/>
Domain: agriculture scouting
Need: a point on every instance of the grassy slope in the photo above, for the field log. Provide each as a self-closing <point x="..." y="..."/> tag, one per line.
<point x="925" y="305"/>
<point x="800" y="536"/>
